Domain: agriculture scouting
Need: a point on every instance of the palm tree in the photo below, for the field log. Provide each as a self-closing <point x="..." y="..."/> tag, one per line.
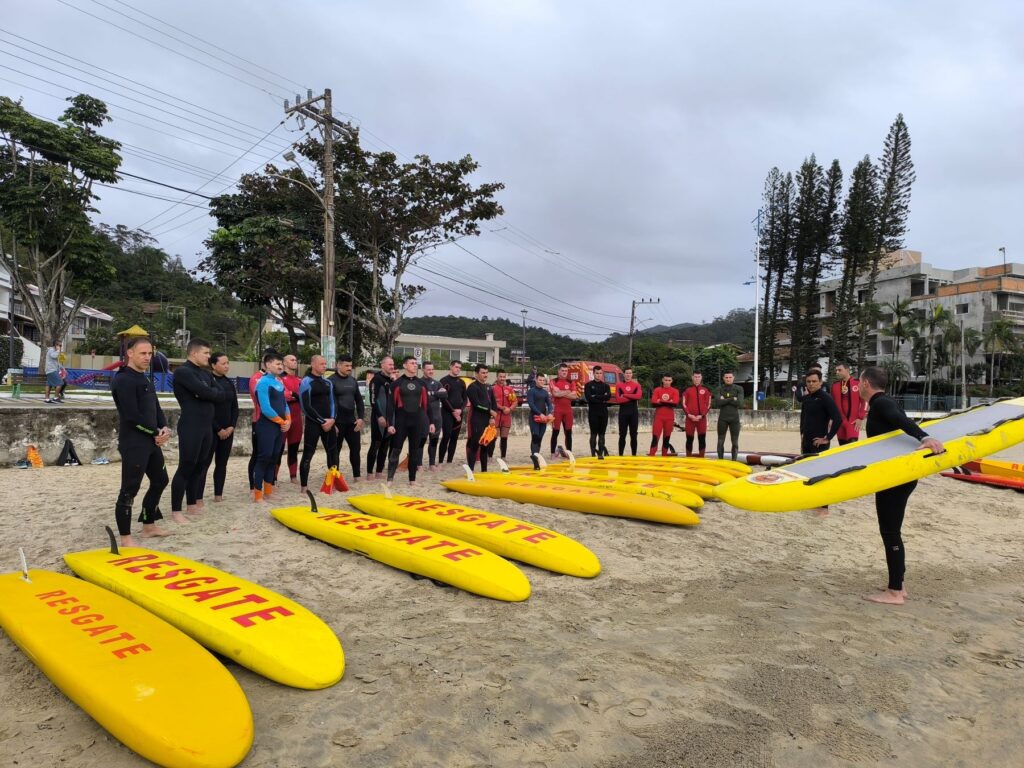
<point x="998" y="339"/>
<point x="897" y="371"/>
<point x="903" y="321"/>
<point x="936" y="319"/>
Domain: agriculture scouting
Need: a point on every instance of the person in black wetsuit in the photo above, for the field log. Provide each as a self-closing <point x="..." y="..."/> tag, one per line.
<point x="597" y="393"/>
<point x="380" y="439"/>
<point x="349" y="412"/>
<point x="316" y="398"/>
<point x="482" y="412"/>
<point x="435" y="395"/>
<point x="197" y="394"/>
<point x="819" y="416"/>
<point x="819" y="420"/>
<point x="885" y="415"/>
<point x="225" y="417"/>
<point x="141" y="430"/>
<point x="406" y="411"/>
<point x="452" y="412"/>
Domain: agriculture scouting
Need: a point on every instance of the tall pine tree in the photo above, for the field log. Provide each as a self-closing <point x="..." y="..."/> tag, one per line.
<point x="857" y="243"/>
<point x="810" y="182"/>
<point x="774" y="249"/>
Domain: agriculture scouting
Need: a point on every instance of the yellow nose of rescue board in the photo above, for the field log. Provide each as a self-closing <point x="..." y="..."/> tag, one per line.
<point x="259" y="629"/>
<point x="505" y="536"/>
<point x="155" y="689"/>
<point x="408" y="548"/>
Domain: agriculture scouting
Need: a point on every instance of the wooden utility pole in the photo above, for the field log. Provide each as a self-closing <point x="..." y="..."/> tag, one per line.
<point x="328" y="124"/>
<point x="632" y="325"/>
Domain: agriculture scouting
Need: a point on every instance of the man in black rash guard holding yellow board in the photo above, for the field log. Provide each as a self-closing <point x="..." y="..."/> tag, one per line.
<point x="885" y="415"/>
<point x="141" y="430"/>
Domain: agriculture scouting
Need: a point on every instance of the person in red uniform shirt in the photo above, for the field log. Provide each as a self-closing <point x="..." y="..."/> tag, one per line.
<point x="664" y="400"/>
<point x="505" y="402"/>
<point x="563" y="394"/>
<point x="696" y="404"/>
<point x="627" y="396"/>
<point x="292" y="384"/>
<point x="846" y="393"/>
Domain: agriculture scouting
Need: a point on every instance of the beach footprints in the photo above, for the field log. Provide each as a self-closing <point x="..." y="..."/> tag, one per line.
<point x="1004" y="659"/>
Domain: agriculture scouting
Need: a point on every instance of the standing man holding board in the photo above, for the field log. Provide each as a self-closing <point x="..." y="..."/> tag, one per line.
<point x="885" y="415"/>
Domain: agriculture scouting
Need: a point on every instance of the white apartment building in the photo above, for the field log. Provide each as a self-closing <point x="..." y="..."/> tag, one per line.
<point x="441" y="350"/>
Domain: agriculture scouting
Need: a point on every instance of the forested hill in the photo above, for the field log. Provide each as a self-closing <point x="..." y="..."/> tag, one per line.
<point x="737" y="327"/>
<point x="542" y="346"/>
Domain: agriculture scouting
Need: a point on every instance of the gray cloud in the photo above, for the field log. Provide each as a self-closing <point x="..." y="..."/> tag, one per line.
<point x="633" y="141"/>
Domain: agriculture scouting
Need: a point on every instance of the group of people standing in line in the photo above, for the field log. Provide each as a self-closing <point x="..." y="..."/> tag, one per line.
<point x="552" y="404"/>
<point x="407" y="409"/>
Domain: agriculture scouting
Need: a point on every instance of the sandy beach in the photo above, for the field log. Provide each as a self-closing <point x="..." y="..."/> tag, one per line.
<point x="741" y="642"/>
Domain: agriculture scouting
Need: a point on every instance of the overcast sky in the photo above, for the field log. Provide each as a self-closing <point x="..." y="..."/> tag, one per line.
<point x="633" y="139"/>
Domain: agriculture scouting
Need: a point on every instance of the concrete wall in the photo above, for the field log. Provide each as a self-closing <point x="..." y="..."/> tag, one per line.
<point x="93" y="430"/>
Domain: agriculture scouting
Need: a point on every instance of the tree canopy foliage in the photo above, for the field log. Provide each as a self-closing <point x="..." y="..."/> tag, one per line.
<point x="47" y="177"/>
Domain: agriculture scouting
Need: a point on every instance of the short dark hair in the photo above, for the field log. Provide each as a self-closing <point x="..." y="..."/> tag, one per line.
<point x="195" y="344"/>
<point x="876" y="377"/>
<point x="627" y="369"/>
<point x="813" y="372"/>
<point x="138" y="340"/>
<point x="562" y="365"/>
<point x="500" y="370"/>
<point x="729" y="372"/>
<point x="666" y="375"/>
<point x="407" y="358"/>
<point x="215" y="358"/>
<point x="454" y="362"/>
<point x="271" y="357"/>
<point x="480" y="367"/>
<point x="343" y="359"/>
<point x="598" y="368"/>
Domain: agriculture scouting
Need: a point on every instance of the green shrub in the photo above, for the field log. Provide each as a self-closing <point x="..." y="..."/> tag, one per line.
<point x="5" y="352"/>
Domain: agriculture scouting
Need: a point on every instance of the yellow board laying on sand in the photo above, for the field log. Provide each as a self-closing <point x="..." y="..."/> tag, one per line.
<point x="505" y="536"/>
<point x="259" y="629"/>
<point x="677" y="495"/>
<point x="579" y="499"/>
<point x="155" y="689"/>
<point x="880" y="462"/>
<point x="408" y="548"/>
<point x="679" y="470"/>
<point x="669" y="464"/>
<point x="690" y="482"/>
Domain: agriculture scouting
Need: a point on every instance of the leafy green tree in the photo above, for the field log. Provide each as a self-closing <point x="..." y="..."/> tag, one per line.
<point x="999" y="339"/>
<point x="391" y="214"/>
<point x="47" y="176"/>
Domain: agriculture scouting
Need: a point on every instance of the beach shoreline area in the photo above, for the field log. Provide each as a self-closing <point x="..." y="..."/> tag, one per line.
<point x="740" y="642"/>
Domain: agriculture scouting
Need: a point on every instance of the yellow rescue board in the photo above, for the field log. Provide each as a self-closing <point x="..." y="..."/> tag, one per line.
<point x="259" y="629"/>
<point x="670" y="463"/>
<point x="680" y="470"/>
<point x="880" y="462"/>
<point x="412" y="549"/>
<point x="579" y="499"/>
<point x="693" y="482"/>
<point x="677" y="495"/>
<point x="155" y="689"/>
<point x="505" y="536"/>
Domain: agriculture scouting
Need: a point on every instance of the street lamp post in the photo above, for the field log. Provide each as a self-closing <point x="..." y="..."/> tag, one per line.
<point x="522" y="352"/>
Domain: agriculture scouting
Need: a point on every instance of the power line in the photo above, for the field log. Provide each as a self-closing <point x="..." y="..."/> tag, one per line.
<point x="144" y="194"/>
<point x="212" y="45"/>
<point x="172" y="50"/>
<point x="148" y="87"/>
<point x="239" y="130"/>
<point x="212" y="178"/>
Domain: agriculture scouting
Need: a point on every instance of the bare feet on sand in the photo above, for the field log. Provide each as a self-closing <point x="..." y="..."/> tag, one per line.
<point x="887" y="597"/>
<point x="194" y="510"/>
<point x="295" y="481"/>
<point x="178" y="517"/>
<point x="218" y="499"/>
<point x="820" y="511"/>
<point x="152" y="529"/>
<point x="128" y="541"/>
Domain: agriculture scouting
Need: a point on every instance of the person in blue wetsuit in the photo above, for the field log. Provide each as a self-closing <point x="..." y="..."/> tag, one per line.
<point x="539" y="400"/>
<point x="273" y="423"/>
<point x="316" y="397"/>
